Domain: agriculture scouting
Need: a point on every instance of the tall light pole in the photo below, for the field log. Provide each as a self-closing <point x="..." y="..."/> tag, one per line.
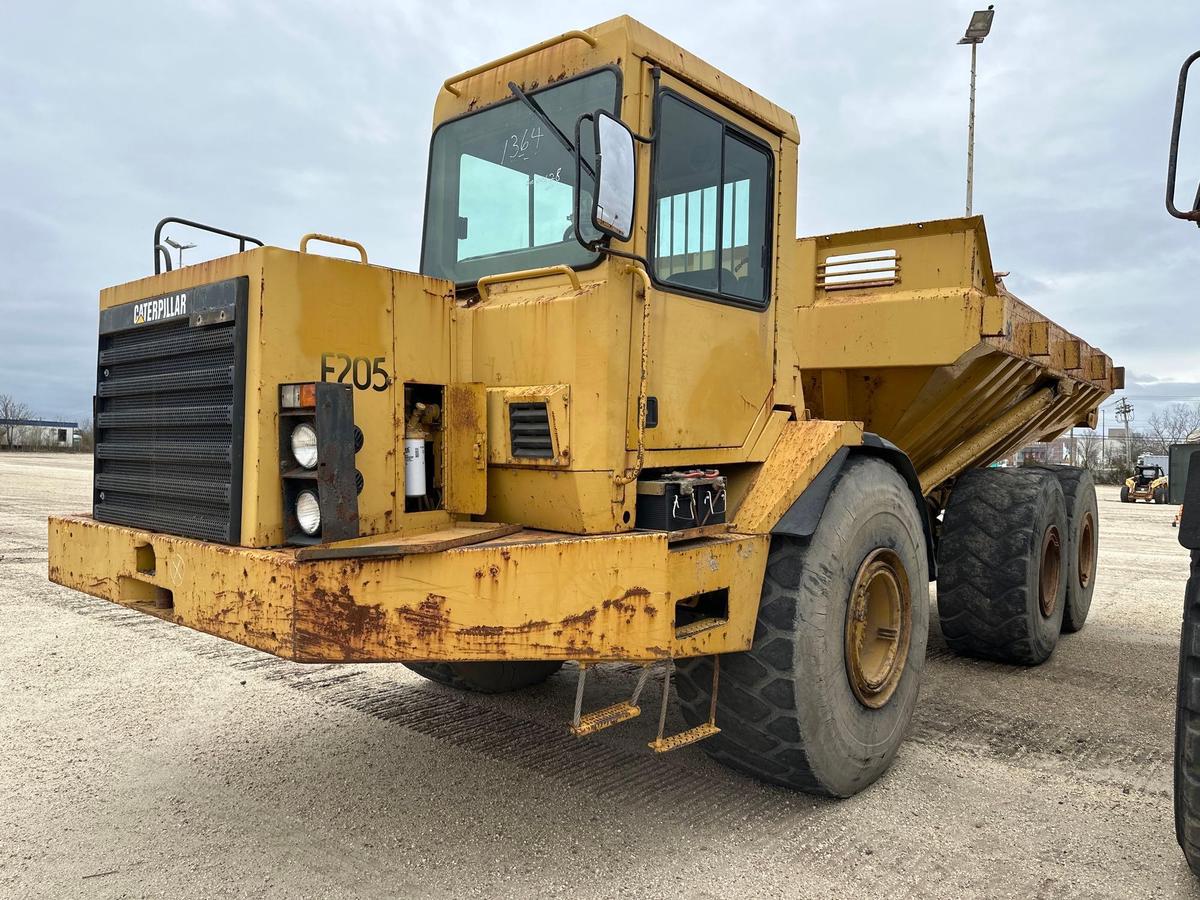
<point x="180" y="247"/>
<point x="977" y="30"/>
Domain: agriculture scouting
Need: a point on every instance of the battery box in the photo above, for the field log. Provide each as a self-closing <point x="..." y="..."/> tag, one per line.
<point x="679" y="500"/>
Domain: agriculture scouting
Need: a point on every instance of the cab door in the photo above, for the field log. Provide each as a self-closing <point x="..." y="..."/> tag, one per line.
<point x="712" y="207"/>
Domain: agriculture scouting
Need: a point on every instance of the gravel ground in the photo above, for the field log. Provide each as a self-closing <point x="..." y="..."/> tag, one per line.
<point x="138" y="758"/>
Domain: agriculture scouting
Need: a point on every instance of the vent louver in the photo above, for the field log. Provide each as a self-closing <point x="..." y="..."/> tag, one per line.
<point x="530" y="431"/>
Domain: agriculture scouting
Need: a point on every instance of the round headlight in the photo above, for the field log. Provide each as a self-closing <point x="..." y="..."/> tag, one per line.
<point x="308" y="512"/>
<point x="304" y="445"/>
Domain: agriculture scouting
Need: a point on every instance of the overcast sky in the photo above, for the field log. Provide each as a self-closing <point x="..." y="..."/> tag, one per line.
<point x="277" y="118"/>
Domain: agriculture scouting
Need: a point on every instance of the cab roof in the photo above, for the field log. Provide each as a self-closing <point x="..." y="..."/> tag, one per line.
<point x="609" y="43"/>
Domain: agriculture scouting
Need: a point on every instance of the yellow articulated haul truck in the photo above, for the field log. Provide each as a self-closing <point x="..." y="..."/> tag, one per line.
<point x="622" y="414"/>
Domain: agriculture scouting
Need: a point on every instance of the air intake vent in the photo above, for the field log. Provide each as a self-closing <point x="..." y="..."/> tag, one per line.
<point x="530" y="424"/>
<point x="169" y="410"/>
<point x="872" y="269"/>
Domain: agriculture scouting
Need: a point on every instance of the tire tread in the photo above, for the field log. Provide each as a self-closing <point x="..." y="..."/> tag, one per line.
<point x="983" y="564"/>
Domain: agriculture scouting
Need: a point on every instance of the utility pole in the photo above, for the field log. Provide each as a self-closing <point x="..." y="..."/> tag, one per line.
<point x="977" y="30"/>
<point x="1124" y="412"/>
<point x="1104" y="436"/>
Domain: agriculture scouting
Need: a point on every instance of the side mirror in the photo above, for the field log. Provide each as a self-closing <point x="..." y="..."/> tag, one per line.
<point x="616" y="177"/>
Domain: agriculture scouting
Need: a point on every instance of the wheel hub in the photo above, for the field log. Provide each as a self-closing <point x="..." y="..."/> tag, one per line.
<point x="878" y="627"/>
<point x="1087" y="548"/>
<point x="1050" y="571"/>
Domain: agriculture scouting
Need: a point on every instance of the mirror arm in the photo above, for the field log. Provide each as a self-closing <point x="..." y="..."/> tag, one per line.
<point x="1173" y="158"/>
<point x="575" y="197"/>
<point x="537" y="110"/>
<point x="605" y="248"/>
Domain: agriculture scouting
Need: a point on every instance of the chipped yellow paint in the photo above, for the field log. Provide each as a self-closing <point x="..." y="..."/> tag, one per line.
<point x="801" y="452"/>
<point x="533" y="595"/>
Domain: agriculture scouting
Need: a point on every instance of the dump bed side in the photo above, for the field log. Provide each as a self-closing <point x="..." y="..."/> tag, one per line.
<point x="909" y="330"/>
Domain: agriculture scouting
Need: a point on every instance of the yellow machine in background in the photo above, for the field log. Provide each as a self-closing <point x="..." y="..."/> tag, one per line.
<point x="1149" y="483"/>
<point x="621" y="415"/>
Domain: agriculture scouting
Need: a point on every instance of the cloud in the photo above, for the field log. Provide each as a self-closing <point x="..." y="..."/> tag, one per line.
<point x="278" y="118"/>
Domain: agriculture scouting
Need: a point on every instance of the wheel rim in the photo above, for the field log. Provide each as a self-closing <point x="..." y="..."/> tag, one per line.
<point x="1050" y="573"/>
<point x="1087" y="546"/>
<point x="878" y="628"/>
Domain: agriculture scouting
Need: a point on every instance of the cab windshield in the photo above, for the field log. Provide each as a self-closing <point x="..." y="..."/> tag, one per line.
<point x="501" y="184"/>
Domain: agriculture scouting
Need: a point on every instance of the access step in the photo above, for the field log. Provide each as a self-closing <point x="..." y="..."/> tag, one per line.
<point x="599" y="719"/>
<point x="675" y="741"/>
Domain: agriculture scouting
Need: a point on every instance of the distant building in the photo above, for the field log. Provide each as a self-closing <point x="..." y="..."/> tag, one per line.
<point x="29" y="434"/>
<point x="1056" y="452"/>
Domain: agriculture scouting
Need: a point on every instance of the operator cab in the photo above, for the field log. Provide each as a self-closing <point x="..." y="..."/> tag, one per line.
<point x="1146" y="475"/>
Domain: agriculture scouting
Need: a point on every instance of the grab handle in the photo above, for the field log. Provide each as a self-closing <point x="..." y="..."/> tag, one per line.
<point x="330" y="239"/>
<point x="488" y="280"/>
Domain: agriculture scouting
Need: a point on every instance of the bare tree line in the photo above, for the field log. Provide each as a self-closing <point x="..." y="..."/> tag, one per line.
<point x="1171" y="424"/>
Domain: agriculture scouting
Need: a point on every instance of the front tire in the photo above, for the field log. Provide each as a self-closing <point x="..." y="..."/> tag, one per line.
<point x="822" y="700"/>
<point x="1187" y="724"/>
<point x="1002" y="578"/>
<point x="487" y="677"/>
<point x="1125" y="494"/>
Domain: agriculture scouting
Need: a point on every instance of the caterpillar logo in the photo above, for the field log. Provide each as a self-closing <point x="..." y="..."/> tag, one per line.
<point x="162" y="308"/>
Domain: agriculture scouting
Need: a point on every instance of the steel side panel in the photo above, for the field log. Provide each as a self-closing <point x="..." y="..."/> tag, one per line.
<point x="603" y="598"/>
<point x="738" y="564"/>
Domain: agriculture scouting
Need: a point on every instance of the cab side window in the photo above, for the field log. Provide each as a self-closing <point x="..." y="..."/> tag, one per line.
<point x="712" y="206"/>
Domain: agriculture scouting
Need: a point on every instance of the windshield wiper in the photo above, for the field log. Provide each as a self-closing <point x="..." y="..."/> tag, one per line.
<point x="537" y="110"/>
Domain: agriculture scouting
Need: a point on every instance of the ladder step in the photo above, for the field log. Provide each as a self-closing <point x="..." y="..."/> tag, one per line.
<point x="675" y="741"/>
<point x="605" y="718"/>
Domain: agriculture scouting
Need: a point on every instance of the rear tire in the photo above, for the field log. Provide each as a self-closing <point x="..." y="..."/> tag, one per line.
<point x="487" y="677"/>
<point x="1187" y="724"/>
<point x="1002" y="577"/>
<point x="1083" y="526"/>
<point x="823" y="699"/>
<point x="1160" y="495"/>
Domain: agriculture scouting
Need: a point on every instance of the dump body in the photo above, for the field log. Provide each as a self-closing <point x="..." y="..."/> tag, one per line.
<point x="929" y="349"/>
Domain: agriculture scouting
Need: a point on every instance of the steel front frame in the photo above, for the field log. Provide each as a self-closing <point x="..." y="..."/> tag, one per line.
<point x="532" y="595"/>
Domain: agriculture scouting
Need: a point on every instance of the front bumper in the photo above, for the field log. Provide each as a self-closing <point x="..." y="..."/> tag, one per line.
<point x="532" y="595"/>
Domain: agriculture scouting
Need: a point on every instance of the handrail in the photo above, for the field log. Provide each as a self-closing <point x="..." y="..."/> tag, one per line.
<point x="449" y="83"/>
<point x="241" y="238"/>
<point x="1173" y="159"/>
<point x="330" y="239"/>
<point x="631" y="473"/>
<point x="488" y="280"/>
<point x="166" y="256"/>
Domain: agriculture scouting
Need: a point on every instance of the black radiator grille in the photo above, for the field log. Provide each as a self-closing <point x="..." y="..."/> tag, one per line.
<point x="530" y="431"/>
<point x="169" y="409"/>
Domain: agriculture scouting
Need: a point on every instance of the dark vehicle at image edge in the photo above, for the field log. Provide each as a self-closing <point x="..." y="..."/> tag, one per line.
<point x="1187" y="697"/>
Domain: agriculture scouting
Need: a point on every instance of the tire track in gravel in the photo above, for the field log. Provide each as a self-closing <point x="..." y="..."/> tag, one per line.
<point x="1027" y="743"/>
<point x="620" y="774"/>
<point x="589" y="766"/>
<point x="1053" y="675"/>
